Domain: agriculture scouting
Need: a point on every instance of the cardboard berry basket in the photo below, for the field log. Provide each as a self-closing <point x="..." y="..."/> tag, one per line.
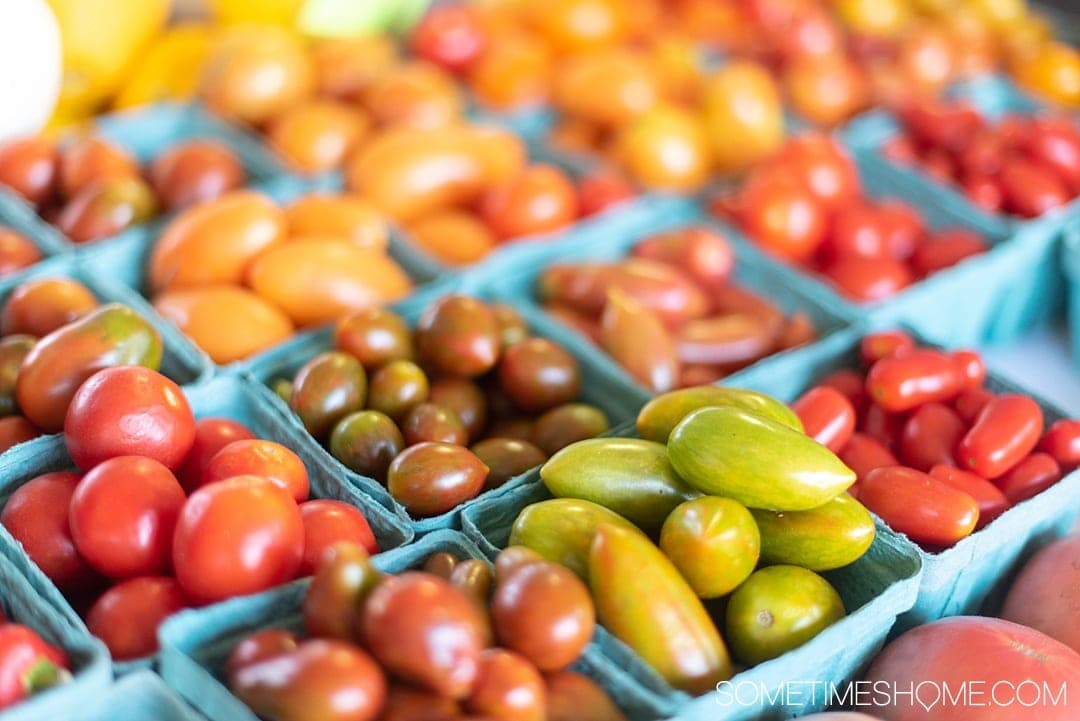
<point x="141" y="696"/>
<point x="16" y="214"/>
<point x="195" y="644"/>
<point x="238" y="399"/>
<point x="1070" y="261"/>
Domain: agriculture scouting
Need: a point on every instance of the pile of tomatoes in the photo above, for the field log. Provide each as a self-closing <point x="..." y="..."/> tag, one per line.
<point x="166" y="512"/>
<point x="16" y="251"/>
<point x="937" y="453"/>
<point x="28" y="663"/>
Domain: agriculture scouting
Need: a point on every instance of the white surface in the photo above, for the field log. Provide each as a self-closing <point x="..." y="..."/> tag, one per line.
<point x="30" y="66"/>
<point x="1042" y="364"/>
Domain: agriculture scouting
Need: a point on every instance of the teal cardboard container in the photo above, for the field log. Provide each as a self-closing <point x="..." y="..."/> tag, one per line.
<point x="242" y="400"/>
<point x="611" y="238"/>
<point x="141" y="696"/>
<point x="20" y="216"/>
<point x="57" y="624"/>
<point x="1070" y="261"/>
<point x="875" y="589"/>
<point x="955" y="581"/>
<point x="598" y="385"/>
<point x="196" y="643"/>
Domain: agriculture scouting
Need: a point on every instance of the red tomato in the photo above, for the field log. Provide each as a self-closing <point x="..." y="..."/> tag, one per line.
<point x="985" y="653"/>
<point x="946" y="249"/>
<point x="909" y="379"/>
<point x="1031" y="188"/>
<point x="875" y="346"/>
<point x="859" y="231"/>
<point x="127" y="616"/>
<point x="327" y="522"/>
<point x="236" y="537"/>
<point x="15" y="430"/>
<point x="30" y="167"/>
<point x="127" y="411"/>
<point x="939" y="165"/>
<point x="869" y="279"/>
<point x="783" y="217"/>
<point x="851" y="384"/>
<point x="123" y="514"/>
<point x="1029" y="477"/>
<point x="941" y="125"/>
<point x="37" y="516"/>
<point x="971" y="367"/>
<point x="601" y="190"/>
<point x="825" y="168"/>
<point x="450" y="35"/>
<point x="984" y="191"/>
<point x="1046" y="592"/>
<point x="882" y="426"/>
<point x="983" y="153"/>
<point x="1007" y="429"/>
<point x="969" y="404"/>
<point x="704" y="255"/>
<point x="1062" y="441"/>
<point x="266" y="459"/>
<point x="26" y="661"/>
<point x="929" y="436"/>
<point x="992" y="502"/>
<point x="16" y="251"/>
<point x="539" y="200"/>
<point x="899" y="149"/>
<point x="903" y="227"/>
<point x="863" y="454"/>
<point x="1056" y="143"/>
<point x="211" y="435"/>
<point x="919" y="506"/>
<point x="827" y="416"/>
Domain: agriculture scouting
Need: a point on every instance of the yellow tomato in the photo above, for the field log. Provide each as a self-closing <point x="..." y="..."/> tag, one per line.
<point x="1052" y="71"/>
<point x="170" y="68"/>
<point x="1002" y="14"/>
<point x="882" y="18"/>
<point x="344" y="216"/>
<point x="827" y="90"/>
<point x="666" y="149"/>
<point x="417" y="94"/>
<point x="455" y="237"/>
<point x="576" y="25"/>
<point x="744" y="116"/>
<point x="318" y="135"/>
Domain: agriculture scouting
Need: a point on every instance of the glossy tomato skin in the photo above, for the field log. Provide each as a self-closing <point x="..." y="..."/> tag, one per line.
<point x="15" y="430"/>
<point x="327" y="522"/>
<point x="919" y="506"/>
<point x="127" y="616"/>
<point x="259" y="646"/>
<point x="129" y="410"/>
<point x="1062" y="441"/>
<point x="24" y="659"/>
<point x="601" y="190"/>
<point x="539" y="200"/>
<point x="31" y="167"/>
<point x="866" y="280"/>
<point x="1031" y="188"/>
<point x="1007" y="429"/>
<point x="946" y="249"/>
<point x="882" y="426"/>
<point x="875" y="346"/>
<point x="123" y="514"/>
<point x="266" y="459"/>
<point x="929" y="436"/>
<point x="992" y="502"/>
<point x="859" y="231"/>
<point x="1029" y="477"/>
<point x="862" y="454"/>
<point x="971" y="367"/>
<point x="825" y="169"/>
<point x="851" y="384"/>
<point x="450" y="36"/>
<point x="784" y="218"/>
<point x="969" y="403"/>
<point x="195" y="172"/>
<point x="907" y="380"/>
<point x="827" y="416"/>
<point x="509" y="687"/>
<point x="16" y="252"/>
<point x="36" y="514"/>
<point x="211" y="435"/>
<point x="38" y="307"/>
<point x="239" y="536"/>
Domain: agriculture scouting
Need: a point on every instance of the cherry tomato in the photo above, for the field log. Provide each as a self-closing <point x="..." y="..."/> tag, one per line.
<point x="576" y="25"/>
<point x="28" y="664"/>
<point x="992" y="502"/>
<point x="665" y="148"/>
<point x="851" y="384"/>
<point x="783" y="217"/>
<point x="971" y="367"/>
<point x="863" y="454"/>
<point x="539" y="200"/>
<point x="40" y="306"/>
<point x="508" y="686"/>
<point x="882" y="426"/>
<point x="903" y="227"/>
<point x="235" y="537"/>
<point x="128" y="615"/>
<point x="866" y="280"/>
<point x="327" y="522"/>
<point x="601" y="190"/>
<point x="984" y="191"/>
<point x="1029" y="477"/>
<point x="939" y="124"/>
<point x="827" y="416"/>
<point x="16" y="251"/>
<point x="266" y="459"/>
<point x="929" y="436"/>
<point x="705" y="255"/>
<point x="875" y="346"/>
<point x="826" y="90"/>
<point x="36" y="515"/>
<point x="946" y="249"/>
<point x="1056" y="142"/>
<point x="1007" y="429"/>
<point x="123" y="514"/>
<point x="513" y="73"/>
<point x="452" y="36"/>
<point x="92" y="161"/>
<point x="30" y="167"/>
<point x="1052" y="71"/>
<point x="899" y="149"/>
<point x="257" y="647"/>
<point x="318" y="135"/>
<point x="909" y="379"/>
<point x="859" y="231"/>
<point x="918" y="505"/>
<point x="1031" y="187"/>
<point x="969" y="403"/>
<point x="195" y="172"/>
<point x="211" y="435"/>
<point x="129" y="410"/>
<point x="1062" y="442"/>
<point x="15" y="430"/>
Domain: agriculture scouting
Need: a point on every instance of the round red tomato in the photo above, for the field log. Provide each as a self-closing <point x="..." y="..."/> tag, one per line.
<point x="266" y="459"/>
<point x="37" y="516"/>
<point x="825" y="169"/>
<point x="601" y="190"/>
<point x="1062" y="441"/>
<point x="859" y="231"/>
<point x="211" y="435"/>
<point x="327" y="522"/>
<point x="123" y="514"/>
<point x="239" y="536"/>
<point x="783" y="217"/>
<point x="451" y="36"/>
<point x="127" y="616"/>
<point x="866" y="280"/>
<point x="15" y="430"/>
<point x="539" y="200"/>
<point x="129" y="411"/>
<point x="1046" y="592"/>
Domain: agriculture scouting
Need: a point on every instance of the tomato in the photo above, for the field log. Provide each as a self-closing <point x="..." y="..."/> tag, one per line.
<point x="40" y="306"/>
<point x="15" y="430"/>
<point x="211" y="435"/>
<point x="16" y="251"/>
<point x="783" y="217"/>
<point x="1029" y="477"/>
<point x="327" y="522"/>
<point x="918" y="505"/>
<point x="30" y="167"/>
<point x="875" y="346"/>
<point x="946" y="249"/>
<point x="867" y="280"/>
<point x="101" y="210"/>
<point x="984" y="191"/>
<point x="344" y="216"/>
<point x="826" y="90"/>
<point x="1052" y="71"/>
<point x="666" y="149"/>
<point x="881" y="425"/>
<point x="453" y="236"/>
<point x="266" y="459"/>
<point x="851" y="384"/>
<point x="825" y="168"/>
<point x="1062" y="442"/>
<point x="1055" y="141"/>
<point x="983" y="153"/>
<point x="539" y="200"/>
<point x="608" y="88"/>
<point x="1046" y="592"/>
<point x="1007" y="429"/>
<point x="981" y="652"/>
<point x="909" y="379"/>
<point x="28" y="664"/>
<point x="129" y="410"/>
<point x="992" y="502"/>
<point x="863" y="454"/>
<point x="123" y="514"/>
<point x="513" y="73"/>
<point x="599" y="190"/>
<point x="1031" y="188"/>
<point x="929" y="436"/>
<point x="743" y="115"/>
<point x="259" y="646"/>
<point x="509" y="687"/>
<point x="703" y="254"/>
<point x="93" y="161"/>
<point x="941" y="125"/>
<point x="899" y="149"/>
<point x="452" y="36"/>
<point x="577" y="25"/>
<point x="827" y="416"/>
<point x="36" y="515"/>
<point x="346" y="66"/>
<point x="235" y="537"/>
<point x="857" y="232"/>
<point x="318" y="135"/>
<point x="195" y="172"/>
<point x="972" y="369"/>
<point x="927" y="57"/>
<point x="128" y="615"/>
<point x="416" y="94"/>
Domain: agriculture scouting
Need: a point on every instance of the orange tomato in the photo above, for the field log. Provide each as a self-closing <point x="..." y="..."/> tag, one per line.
<point x="666" y="149"/>
<point x="977" y="48"/>
<point x="574" y="135"/>
<point x="410" y="173"/>
<point x="1053" y="71"/>
<point x="93" y="160"/>
<point x="16" y="251"/>
<point x="255" y="72"/>
<point x="826" y="90"/>
<point x="880" y="18"/>
<point x="39" y="306"/>
<point x="229" y="323"/>
<point x="514" y="72"/>
<point x="721" y="23"/>
<point x="344" y="216"/>
<point x="606" y="87"/>
<point x="417" y="94"/>
<point x="678" y="68"/>
<point x="454" y="236"/>
<point x="743" y="115"/>
<point x="927" y="57"/>
<point x="320" y="280"/>
<point x="541" y="199"/>
<point x="318" y="135"/>
<point x="346" y="67"/>
<point x="214" y="242"/>
<point x="644" y="18"/>
<point x="576" y="25"/>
